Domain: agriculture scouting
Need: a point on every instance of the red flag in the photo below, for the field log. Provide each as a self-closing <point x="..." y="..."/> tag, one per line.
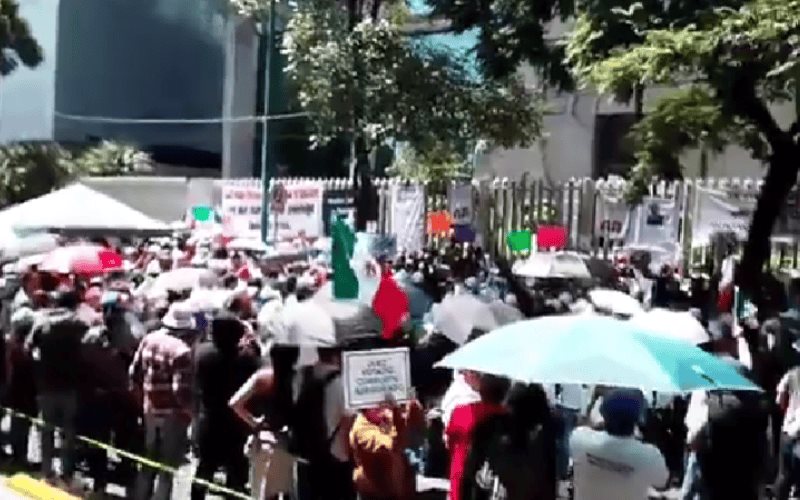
<point x="390" y="304"/>
<point x="548" y="237"/>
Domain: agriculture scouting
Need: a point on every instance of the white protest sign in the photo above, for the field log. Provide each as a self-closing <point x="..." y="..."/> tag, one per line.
<point x="459" y="200"/>
<point x="241" y="209"/>
<point x="408" y="216"/>
<point x="613" y="217"/>
<point x="369" y="376"/>
<point x="298" y="213"/>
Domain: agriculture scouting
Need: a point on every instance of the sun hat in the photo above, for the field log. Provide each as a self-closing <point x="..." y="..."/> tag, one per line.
<point x="179" y="317"/>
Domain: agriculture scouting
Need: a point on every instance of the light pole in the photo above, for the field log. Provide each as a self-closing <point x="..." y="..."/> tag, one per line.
<point x="265" y="173"/>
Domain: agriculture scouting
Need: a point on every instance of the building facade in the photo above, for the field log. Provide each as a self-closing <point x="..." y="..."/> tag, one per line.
<point x="108" y="63"/>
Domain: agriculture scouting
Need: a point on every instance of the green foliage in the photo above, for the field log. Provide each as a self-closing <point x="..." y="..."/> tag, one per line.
<point x="371" y="80"/>
<point x="111" y="159"/>
<point x="436" y="165"/>
<point x="28" y="170"/>
<point x="17" y="44"/>
<point x="733" y="66"/>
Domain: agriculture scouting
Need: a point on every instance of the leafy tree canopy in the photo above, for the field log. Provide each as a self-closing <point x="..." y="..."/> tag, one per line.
<point x="357" y="74"/>
<point x="28" y="170"/>
<point x="729" y="70"/>
<point x="17" y="44"/>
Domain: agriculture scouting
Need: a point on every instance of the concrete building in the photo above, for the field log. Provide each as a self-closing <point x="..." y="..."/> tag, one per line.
<point x="585" y="133"/>
<point x="109" y="61"/>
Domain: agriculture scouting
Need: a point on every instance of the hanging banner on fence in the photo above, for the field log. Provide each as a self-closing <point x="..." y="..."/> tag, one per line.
<point x="241" y="209"/>
<point x="298" y="214"/>
<point x="612" y="217"/>
<point x="654" y="221"/>
<point x="295" y="208"/>
<point x="719" y="212"/>
<point x="459" y="203"/>
<point x="338" y="203"/>
<point x="371" y="376"/>
<point x="408" y="216"/>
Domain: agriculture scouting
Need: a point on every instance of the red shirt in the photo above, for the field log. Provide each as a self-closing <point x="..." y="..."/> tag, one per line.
<point x="459" y="438"/>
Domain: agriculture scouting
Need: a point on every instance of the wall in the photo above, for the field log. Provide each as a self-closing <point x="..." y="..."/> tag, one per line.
<point x="27" y="95"/>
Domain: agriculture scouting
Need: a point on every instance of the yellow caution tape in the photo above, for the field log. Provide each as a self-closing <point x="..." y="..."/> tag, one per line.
<point x="126" y="454"/>
<point x="36" y="489"/>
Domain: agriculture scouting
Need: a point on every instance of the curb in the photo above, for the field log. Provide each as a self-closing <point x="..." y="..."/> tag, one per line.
<point x="36" y="489"/>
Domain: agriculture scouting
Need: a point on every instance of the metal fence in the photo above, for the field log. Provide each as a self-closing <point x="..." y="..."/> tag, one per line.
<point x="499" y="206"/>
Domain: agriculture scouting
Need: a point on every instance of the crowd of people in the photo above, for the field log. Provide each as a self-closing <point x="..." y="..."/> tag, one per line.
<point x="169" y="377"/>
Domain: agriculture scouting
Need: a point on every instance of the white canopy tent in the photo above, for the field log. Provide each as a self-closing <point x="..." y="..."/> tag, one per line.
<point x="78" y="209"/>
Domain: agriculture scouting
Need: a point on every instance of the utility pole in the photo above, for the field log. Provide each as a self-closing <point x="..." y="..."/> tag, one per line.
<point x="265" y="149"/>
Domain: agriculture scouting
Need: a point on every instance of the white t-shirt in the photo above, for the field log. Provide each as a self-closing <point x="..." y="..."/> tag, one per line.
<point x="613" y="468"/>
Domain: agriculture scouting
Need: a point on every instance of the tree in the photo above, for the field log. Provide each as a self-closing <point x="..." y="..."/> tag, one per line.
<point x="728" y="72"/>
<point x="358" y="76"/>
<point x="17" y="44"/>
<point x="28" y="170"/>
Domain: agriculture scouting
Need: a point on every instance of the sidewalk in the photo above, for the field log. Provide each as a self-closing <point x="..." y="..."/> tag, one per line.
<point x="22" y="486"/>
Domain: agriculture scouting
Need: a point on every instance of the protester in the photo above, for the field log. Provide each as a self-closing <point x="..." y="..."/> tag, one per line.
<point x="378" y="439"/>
<point x="55" y="345"/>
<point x="270" y="392"/>
<point x="221" y="367"/>
<point x="162" y="370"/>
<point x="320" y="426"/>
<point x="463" y="422"/>
<point x="512" y="455"/>
<point x="610" y="464"/>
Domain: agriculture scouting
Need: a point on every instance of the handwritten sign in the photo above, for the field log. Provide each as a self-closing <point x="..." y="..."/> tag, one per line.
<point x="241" y="209"/>
<point x="296" y="209"/>
<point x="369" y="376"/>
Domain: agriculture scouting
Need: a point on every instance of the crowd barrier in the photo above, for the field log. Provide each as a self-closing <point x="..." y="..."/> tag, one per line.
<point x="22" y="483"/>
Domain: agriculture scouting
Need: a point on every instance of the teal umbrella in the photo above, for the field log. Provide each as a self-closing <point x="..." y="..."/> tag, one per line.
<point x="595" y="350"/>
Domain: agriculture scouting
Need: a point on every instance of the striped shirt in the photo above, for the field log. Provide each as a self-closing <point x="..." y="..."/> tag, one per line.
<point x="162" y="368"/>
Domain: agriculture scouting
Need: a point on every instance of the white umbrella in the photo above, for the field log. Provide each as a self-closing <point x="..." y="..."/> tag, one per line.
<point x="614" y="302"/>
<point x="681" y="325"/>
<point x="458" y="315"/>
<point x="552" y="265"/>
<point x="248" y="244"/>
<point x="184" y="278"/>
<point x="14" y="245"/>
<point x="306" y="324"/>
<point x="505" y="313"/>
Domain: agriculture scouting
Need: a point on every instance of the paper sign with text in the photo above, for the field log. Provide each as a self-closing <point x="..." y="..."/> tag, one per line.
<point x="369" y="376"/>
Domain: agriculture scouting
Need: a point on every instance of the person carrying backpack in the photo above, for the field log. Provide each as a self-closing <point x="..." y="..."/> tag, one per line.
<point x="319" y="428"/>
<point x="513" y="455"/>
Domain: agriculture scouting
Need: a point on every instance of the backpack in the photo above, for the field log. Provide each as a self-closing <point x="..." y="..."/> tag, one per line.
<point x="309" y="438"/>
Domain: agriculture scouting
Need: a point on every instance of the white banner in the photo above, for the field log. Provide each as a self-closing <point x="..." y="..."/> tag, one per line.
<point x="613" y="217"/>
<point x="654" y="221"/>
<point x="241" y="209"/>
<point x="718" y="212"/>
<point x="297" y="210"/>
<point x="300" y="214"/>
<point x="459" y="201"/>
<point x="408" y="216"/>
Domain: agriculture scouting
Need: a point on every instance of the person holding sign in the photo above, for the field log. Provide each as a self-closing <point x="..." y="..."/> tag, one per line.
<point x="378" y="440"/>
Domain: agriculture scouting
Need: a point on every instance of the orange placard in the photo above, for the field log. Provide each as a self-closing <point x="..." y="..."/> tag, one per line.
<point x="439" y="222"/>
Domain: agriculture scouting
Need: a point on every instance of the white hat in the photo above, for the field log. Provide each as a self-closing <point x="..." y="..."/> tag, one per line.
<point x="417" y="278"/>
<point x="179" y="317"/>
